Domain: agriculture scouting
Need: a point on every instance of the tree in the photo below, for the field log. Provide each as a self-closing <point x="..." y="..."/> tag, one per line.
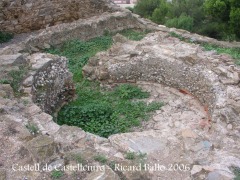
<point x="160" y="13"/>
<point x="145" y="8"/>
<point x="226" y="11"/>
<point x="218" y="9"/>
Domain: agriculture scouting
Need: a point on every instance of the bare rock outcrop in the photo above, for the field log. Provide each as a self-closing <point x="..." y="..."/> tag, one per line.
<point x="23" y="16"/>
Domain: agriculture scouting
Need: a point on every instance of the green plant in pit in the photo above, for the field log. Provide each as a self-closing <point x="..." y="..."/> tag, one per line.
<point x="100" y="158"/>
<point x="5" y="37"/>
<point x="96" y="110"/>
<point x="33" y="129"/>
<point x="106" y="112"/>
<point x="78" y="52"/>
<point x="128" y="91"/>
<point x="56" y="174"/>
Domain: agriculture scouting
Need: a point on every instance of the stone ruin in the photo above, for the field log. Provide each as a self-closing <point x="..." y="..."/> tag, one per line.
<point x="199" y="126"/>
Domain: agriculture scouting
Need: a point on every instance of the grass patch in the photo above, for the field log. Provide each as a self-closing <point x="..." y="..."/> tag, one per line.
<point x="79" y="159"/>
<point x="134" y="35"/>
<point x="173" y="34"/>
<point x="134" y="156"/>
<point x="56" y="174"/>
<point x="234" y="52"/>
<point x="96" y="110"/>
<point x="17" y="76"/>
<point x="5" y="81"/>
<point x="33" y="129"/>
<point x="130" y="155"/>
<point x="100" y="158"/>
<point x="5" y="37"/>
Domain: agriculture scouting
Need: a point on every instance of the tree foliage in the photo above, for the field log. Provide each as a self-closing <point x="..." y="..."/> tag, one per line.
<point x="215" y="18"/>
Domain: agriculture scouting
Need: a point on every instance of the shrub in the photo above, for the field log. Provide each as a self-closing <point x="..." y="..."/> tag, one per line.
<point x="183" y="22"/>
<point x="212" y="29"/>
<point x="159" y="14"/>
<point x="145" y="8"/>
<point x="5" y="37"/>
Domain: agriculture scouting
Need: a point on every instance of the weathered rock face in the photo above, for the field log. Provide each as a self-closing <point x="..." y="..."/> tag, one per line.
<point x="181" y="65"/>
<point x="80" y="29"/>
<point x="52" y="83"/>
<point x="23" y="16"/>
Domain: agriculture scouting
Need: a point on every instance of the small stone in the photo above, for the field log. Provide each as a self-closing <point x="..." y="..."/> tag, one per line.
<point x="188" y="133"/>
<point x="119" y="155"/>
<point x="46" y="46"/>
<point x="177" y="124"/>
<point x="33" y="110"/>
<point x="41" y="148"/>
<point x="196" y="169"/>
<point x="28" y="81"/>
<point x="56" y="164"/>
<point x="229" y="126"/>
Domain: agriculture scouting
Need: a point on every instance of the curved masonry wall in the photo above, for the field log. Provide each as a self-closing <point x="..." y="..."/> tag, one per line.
<point x="211" y="78"/>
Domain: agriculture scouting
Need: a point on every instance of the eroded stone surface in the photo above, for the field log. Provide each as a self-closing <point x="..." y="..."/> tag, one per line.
<point x="24" y="16"/>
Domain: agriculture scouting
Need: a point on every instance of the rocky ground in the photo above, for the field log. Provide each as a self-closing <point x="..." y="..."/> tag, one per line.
<point x="176" y="144"/>
<point x="195" y="135"/>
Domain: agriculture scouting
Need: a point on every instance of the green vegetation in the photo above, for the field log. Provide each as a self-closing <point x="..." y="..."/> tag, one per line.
<point x="106" y="112"/>
<point x="100" y="158"/>
<point x="234" y="52"/>
<point x="4" y="81"/>
<point x="135" y="156"/>
<point x="134" y="35"/>
<point x="130" y="155"/>
<point x="79" y="159"/>
<point x="56" y="174"/>
<point x="218" y="19"/>
<point x="33" y="129"/>
<point x="236" y="171"/>
<point x="96" y="110"/>
<point x="16" y="78"/>
<point x="5" y="37"/>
